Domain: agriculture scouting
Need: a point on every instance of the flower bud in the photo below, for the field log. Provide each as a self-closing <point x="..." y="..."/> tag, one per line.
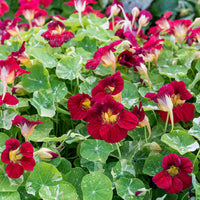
<point x="155" y="147"/>
<point x="46" y="154"/>
<point x="135" y="11"/>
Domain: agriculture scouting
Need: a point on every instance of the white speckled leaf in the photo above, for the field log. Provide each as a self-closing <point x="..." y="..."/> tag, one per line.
<point x="195" y="130"/>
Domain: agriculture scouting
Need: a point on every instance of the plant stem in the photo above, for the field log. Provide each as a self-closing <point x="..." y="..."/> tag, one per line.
<point x="119" y="152"/>
<point x="145" y="134"/>
<point x="196" y="158"/>
<point x="166" y="122"/>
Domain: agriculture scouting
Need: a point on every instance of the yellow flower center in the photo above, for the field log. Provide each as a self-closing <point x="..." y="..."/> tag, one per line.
<point x="86" y="104"/>
<point x="13" y="156"/>
<point x="176" y="100"/>
<point x="173" y="170"/>
<point x="108" y="117"/>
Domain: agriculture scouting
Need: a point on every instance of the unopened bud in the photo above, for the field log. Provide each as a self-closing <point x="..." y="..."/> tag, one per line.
<point x="141" y="192"/>
<point x="135" y="11"/>
<point x="155" y="147"/>
<point x="46" y="154"/>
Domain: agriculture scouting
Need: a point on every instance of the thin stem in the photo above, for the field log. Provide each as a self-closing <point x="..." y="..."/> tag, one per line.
<point x="166" y="122"/>
<point x="113" y="23"/>
<point x="196" y="158"/>
<point x="119" y="152"/>
<point x="145" y="134"/>
<point x="30" y="23"/>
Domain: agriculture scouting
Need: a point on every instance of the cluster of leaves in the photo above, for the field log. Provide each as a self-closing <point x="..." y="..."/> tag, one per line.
<point x="59" y="73"/>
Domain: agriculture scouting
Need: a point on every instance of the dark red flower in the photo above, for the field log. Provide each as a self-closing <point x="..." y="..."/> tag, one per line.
<point x="4" y="35"/>
<point x="111" y="85"/>
<point x="80" y="4"/>
<point x="109" y="122"/>
<point x="27" y="126"/>
<point x="57" y="34"/>
<point x="103" y="55"/>
<point x="18" y="158"/>
<point x="79" y="105"/>
<point x="39" y="18"/>
<point x="8" y="99"/>
<point x="174" y="177"/>
<point x="3" y="7"/>
<point x="45" y="3"/>
<point x="114" y="9"/>
<point x="171" y="98"/>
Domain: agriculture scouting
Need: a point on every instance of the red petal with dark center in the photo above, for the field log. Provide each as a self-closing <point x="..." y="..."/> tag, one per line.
<point x="176" y="186"/>
<point x="99" y="93"/>
<point x="127" y="120"/>
<point x="9" y="99"/>
<point x="27" y="163"/>
<point x="92" y="64"/>
<point x="56" y="41"/>
<point x="12" y="144"/>
<point x="5" y="156"/>
<point x="186" y="180"/>
<point x="187" y="110"/>
<point x="151" y="96"/>
<point x="67" y="35"/>
<point x="112" y="133"/>
<point x="171" y="159"/>
<point x="14" y="170"/>
<point x="93" y="128"/>
<point x="186" y="165"/>
<point x="162" y="180"/>
<point x="46" y="35"/>
<point x="27" y="149"/>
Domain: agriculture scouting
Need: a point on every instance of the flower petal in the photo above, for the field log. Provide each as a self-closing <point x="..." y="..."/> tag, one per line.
<point x="186" y="165"/>
<point x="27" y="163"/>
<point x="171" y="159"/>
<point x="93" y="128"/>
<point x="12" y="144"/>
<point x="27" y="149"/>
<point x="5" y="156"/>
<point x="14" y="170"/>
<point x="162" y="180"/>
<point x="186" y="180"/>
<point x="175" y="187"/>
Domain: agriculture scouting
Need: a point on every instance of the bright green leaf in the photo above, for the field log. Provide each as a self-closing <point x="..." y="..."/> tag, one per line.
<point x="10" y="196"/>
<point x="92" y="166"/>
<point x="3" y="137"/>
<point x="195" y="130"/>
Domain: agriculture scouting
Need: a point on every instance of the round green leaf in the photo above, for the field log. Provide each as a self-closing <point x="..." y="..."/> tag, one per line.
<point x="37" y="79"/>
<point x="195" y="130"/>
<point x="130" y="94"/>
<point x="180" y="141"/>
<point x="8" y="184"/>
<point x="126" y="188"/>
<point x="61" y="191"/>
<point x="43" y="101"/>
<point x="42" y="55"/>
<point x="3" y="137"/>
<point x="44" y="174"/>
<point x="65" y="166"/>
<point x="95" y="150"/>
<point x="10" y="196"/>
<point x="96" y="186"/>
<point x="197" y="106"/>
<point x="69" y="67"/>
<point x="152" y="164"/>
<point x="123" y="168"/>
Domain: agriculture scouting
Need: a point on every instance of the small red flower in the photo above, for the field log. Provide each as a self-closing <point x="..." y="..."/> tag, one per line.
<point x="114" y="9"/>
<point x="79" y="105"/>
<point x="39" y="18"/>
<point x="27" y="126"/>
<point x="8" y="99"/>
<point x="109" y="122"/>
<point x="18" y="158"/>
<point x="174" y="177"/>
<point x="3" y="7"/>
<point x="57" y="34"/>
<point x="103" y="55"/>
<point x="111" y="85"/>
<point x="171" y="98"/>
<point x="45" y="3"/>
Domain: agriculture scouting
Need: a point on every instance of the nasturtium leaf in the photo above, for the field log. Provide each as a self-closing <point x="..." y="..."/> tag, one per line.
<point x="197" y="105"/>
<point x="10" y="196"/>
<point x="8" y="184"/>
<point x="123" y="168"/>
<point x="92" y="19"/>
<point x="148" y="104"/>
<point x="41" y="131"/>
<point x="97" y="32"/>
<point x="95" y="150"/>
<point x="165" y="59"/>
<point x="65" y="166"/>
<point x="152" y="165"/>
<point x="195" y="130"/>
<point x="24" y="195"/>
<point x="130" y="94"/>
<point x="69" y="67"/>
<point x="96" y="186"/>
<point x="88" y="44"/>
<point x="63" y="190"/>
<point x="126" y="188"/>
<point x="6" y="117"/>
<point x="44" y="174"/>
<point x="102" y="70"/>
<point x="37" y="79"/>
<point x="196" y="186"/>
<point x="23" y="104"/>
<point x="43" y="101"/>
<point x="180" y="141"/>
<point x="43" y="56"/>
<point x="88" y="85"/>
<point x="92" y="166"/>
<point x="86" y="55"/>
<point x="3" y="137"/>
<point x="59" y="89"/>
<point x="75" y="177"/>
<point x="157" y="81"/>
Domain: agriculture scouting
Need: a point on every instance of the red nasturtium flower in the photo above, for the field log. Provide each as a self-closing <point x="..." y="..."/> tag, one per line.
<point x="8" y="99"/>
<point x="27" y="126"/>
<point x="105" y="56"/>
<point x="57" y="34"/>
<point x="3" y="7"/>
<point x="171" y="99"/>
<point x="111" y="85"/>
<point x="174" y="176"/>
<point x="9" y="70"/>
<point x="79" y="105"/>
<point x="109" y="122"/>
<point x="18" y="158"/>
